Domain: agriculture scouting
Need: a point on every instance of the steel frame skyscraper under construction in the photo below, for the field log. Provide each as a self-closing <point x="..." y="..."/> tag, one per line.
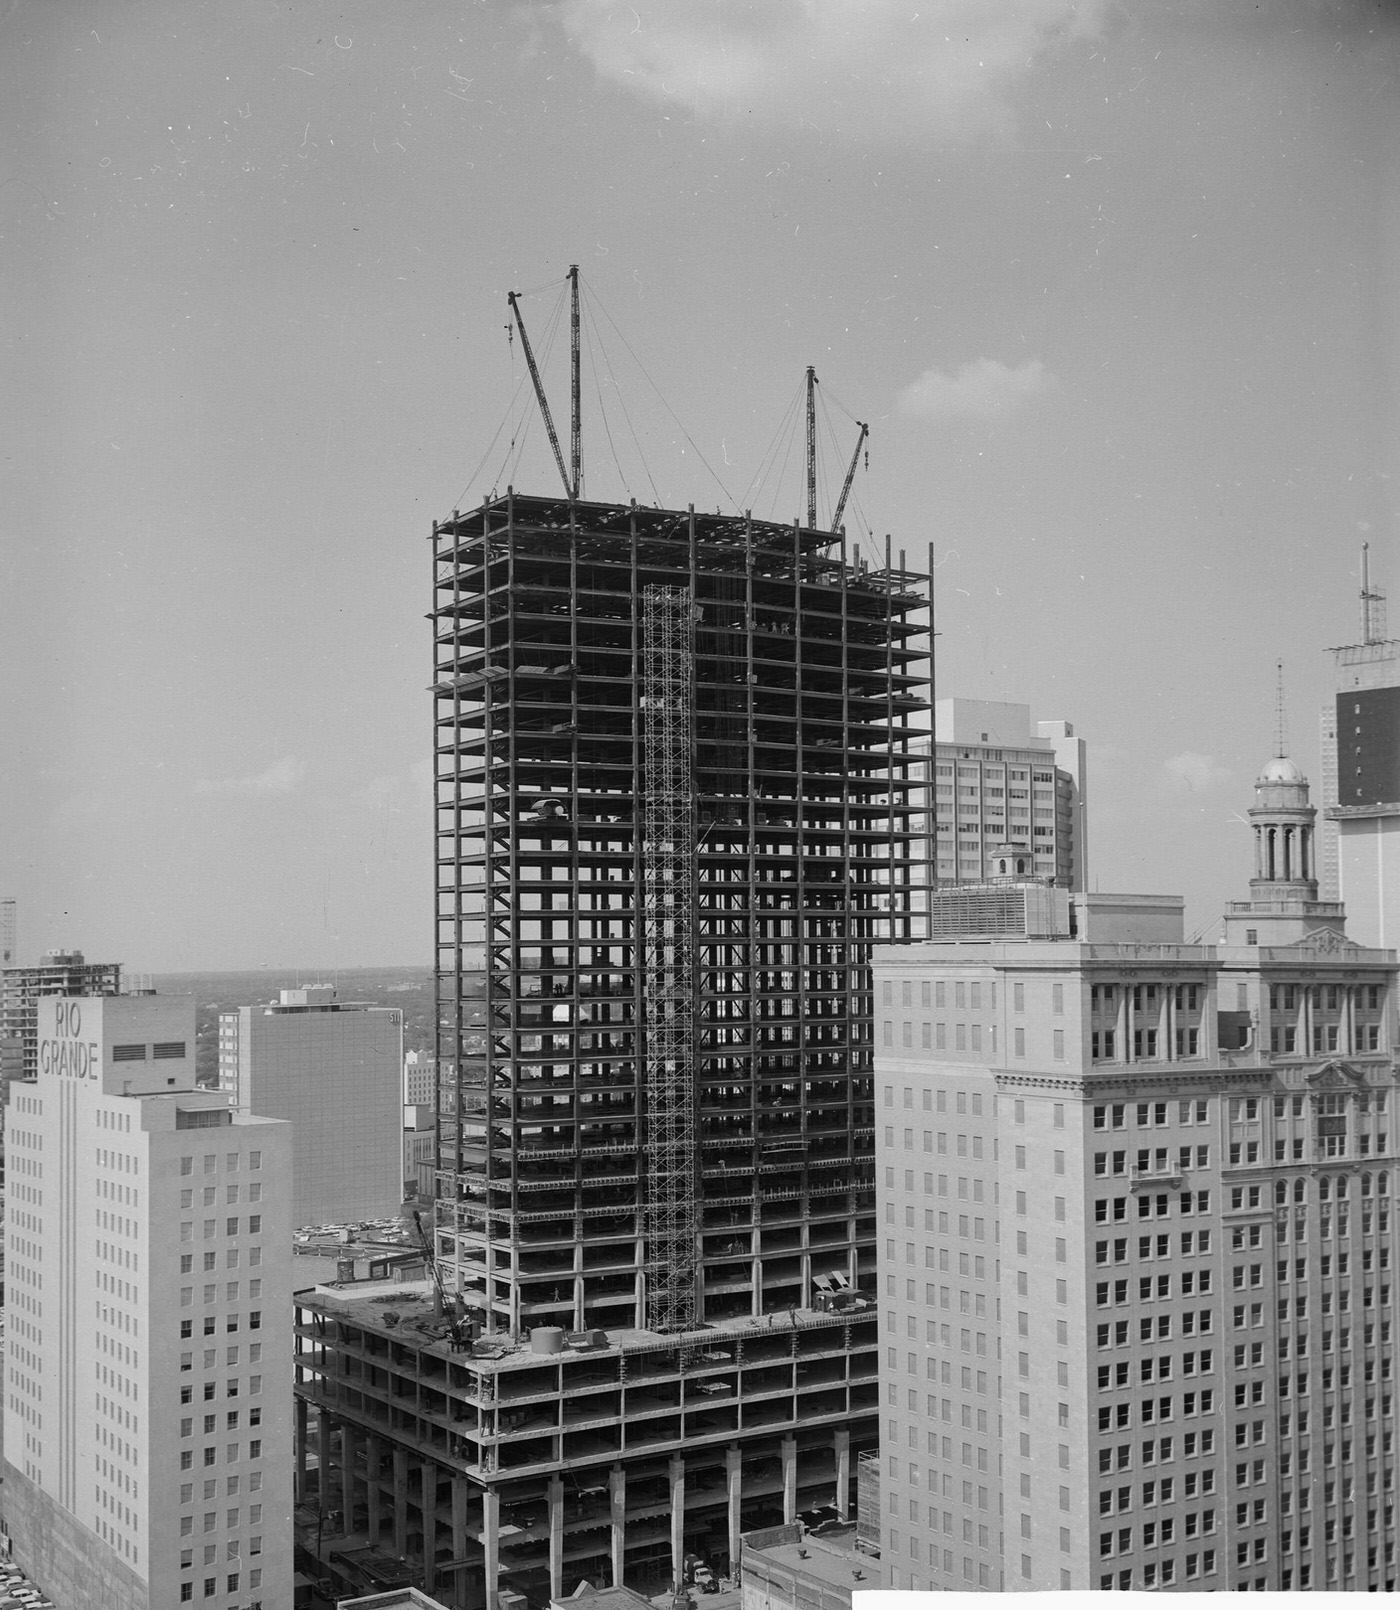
<point x="673" y="814"/>
<point x="653" y="944"/>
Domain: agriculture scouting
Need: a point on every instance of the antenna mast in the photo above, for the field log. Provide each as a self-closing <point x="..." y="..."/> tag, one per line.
<point x="513" y="297"/>
<point x="1280" y="731"/>
<point x="575" y="412"/>
<point x="811" y="448"/>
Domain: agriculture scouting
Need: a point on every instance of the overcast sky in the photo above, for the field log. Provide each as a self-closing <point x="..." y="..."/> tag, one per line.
<point x="1116" y="288"/>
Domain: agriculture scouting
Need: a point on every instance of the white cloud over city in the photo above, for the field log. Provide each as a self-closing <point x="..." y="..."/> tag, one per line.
<point x="283" y="776"/>
<point x="852" y="66"/>
<point x="1193" y="773"/>
<point x="983" y="389"/>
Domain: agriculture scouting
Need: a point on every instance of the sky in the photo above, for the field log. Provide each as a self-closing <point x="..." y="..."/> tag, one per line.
<point x="1116" y="287"/>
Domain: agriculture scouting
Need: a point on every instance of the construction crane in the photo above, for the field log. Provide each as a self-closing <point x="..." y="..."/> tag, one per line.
<point x="850" y="476"/>
<point x="812" y="459"/>
<point x="513" y="298"/>
<point x="448" y="1306"/>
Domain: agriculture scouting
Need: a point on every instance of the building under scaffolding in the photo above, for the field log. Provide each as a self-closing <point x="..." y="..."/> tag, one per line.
<point x="673" y="816"/>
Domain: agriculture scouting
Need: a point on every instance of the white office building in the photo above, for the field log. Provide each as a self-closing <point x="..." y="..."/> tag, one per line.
<point x="148" y="1425"/>
<point x="994" y="781"/>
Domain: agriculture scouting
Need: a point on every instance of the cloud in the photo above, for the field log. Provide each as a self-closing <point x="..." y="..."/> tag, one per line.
<point x="1191" y="773"/>
<point x="282" y="777"/>
<point x="862" y="66"/>
<point x="985" y="389"/>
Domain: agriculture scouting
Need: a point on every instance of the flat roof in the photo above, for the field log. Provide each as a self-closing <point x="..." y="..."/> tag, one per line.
<point x="832" y="1559"/>
<point x="417" y="1326"/>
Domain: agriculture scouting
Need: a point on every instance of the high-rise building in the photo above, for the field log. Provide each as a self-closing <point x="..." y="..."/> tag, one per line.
<point x="996" y="782"/>
<point x="1138" y="1293"/>
<point x="672" y="819"/>
<point x="59" y="972"/>
<point x="1360" y="839"/>
<point x="9" y="932"/>
<point x="334" y="1070"/>
<point x="148" y="1421"/>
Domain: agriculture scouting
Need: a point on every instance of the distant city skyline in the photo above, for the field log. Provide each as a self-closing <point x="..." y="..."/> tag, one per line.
<point x="1115" y="292"/>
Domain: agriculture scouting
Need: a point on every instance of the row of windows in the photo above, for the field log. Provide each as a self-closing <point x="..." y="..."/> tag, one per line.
<point x="1114" y="1209"/>
<point x="1157" y="1327"/>
<point x="1157" y="1534"/>
<point x="211" y="1422"/>
<point x="232" y="1454"/>
<point x="969" y="993"/>
<point x="1152" y="1288"/>
<point x="211" y="1195"/>
<point x="1113" y="1377"/>
<point x="937" y="1101"/>
<point x="1161" y="1490"/>
<point x="1151" y="1160"/>
<point x="1158" y="1451"/>
<point x="960" y="1142"/>
<point x="1162" y="1573"/>
<point x="211" y="1227"/>
<point x="1153" y="1411"/>
<point x="230" y="1360"/>
<point x="1114" y="1114"/>
<point x="1324" y="997"/>
<point x="1192" y="1242"/>
<point x="211" y="1162"/>
<point x="211" y="1585"/>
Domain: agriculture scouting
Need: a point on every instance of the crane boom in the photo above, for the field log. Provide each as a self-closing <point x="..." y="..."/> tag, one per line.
<point x="811" y="448"/>
<point x="513" y="298"/>
<point x="447" y="1305"/>
<point x="850" y="476"/>
<point x="575" y="409"/>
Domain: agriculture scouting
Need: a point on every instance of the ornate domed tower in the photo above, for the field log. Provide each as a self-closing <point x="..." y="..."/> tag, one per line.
<point x="1283" y="906"/>
<point x="1283" y="823"/>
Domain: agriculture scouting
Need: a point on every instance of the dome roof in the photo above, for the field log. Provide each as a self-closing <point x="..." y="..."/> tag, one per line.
<point x="1281" y="770"/>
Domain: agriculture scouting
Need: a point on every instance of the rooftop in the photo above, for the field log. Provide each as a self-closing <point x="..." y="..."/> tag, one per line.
<point x="831" y="1558"/>
<point x="370" y="1303"/>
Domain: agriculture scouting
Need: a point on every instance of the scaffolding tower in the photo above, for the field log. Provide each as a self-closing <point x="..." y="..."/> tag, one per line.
<point x="668" y="890"/>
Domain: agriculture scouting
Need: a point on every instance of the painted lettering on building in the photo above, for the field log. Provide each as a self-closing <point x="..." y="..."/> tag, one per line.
<point x="68" y="1055"/>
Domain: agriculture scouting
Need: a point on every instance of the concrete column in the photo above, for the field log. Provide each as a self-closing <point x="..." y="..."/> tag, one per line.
<point x="578" y="1302"/>
<point x="372" y="1452"/>
<point x="347" y="1475"/>
<point x="556" y="1537"/>
<point x="677" y="1473"/>
<point x="733" y="1473"/>
<point x="491" y="1542"/>
<point x="400" y="1456"/>
<point x="461" y="1540"/>
<point x="299" y="1475"/>
<point x="789" y="1446"/>
<point x="1123" y="1050"/>
<point x="843" y="1472"/>
<point x="617" y="1513"/>
<point x="427" y="1507"/>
